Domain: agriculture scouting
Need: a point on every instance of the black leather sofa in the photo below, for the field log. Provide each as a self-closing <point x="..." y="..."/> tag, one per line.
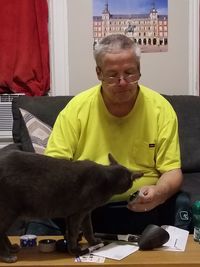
<point x="188" y="112"/>
<point x="46" y="108"/>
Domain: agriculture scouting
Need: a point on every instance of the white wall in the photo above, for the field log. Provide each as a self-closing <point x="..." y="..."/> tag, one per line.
<point x="71" y="45"/>
<point x="168" y="72"/>
<point x="81" y="64"/>
<point x="172" y="72"/>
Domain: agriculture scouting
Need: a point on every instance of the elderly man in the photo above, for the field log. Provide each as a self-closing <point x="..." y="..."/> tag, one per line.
<point x="135" y="124"/>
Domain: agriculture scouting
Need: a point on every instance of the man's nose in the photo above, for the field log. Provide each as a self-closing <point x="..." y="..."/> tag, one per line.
<point x="122" y="80"/>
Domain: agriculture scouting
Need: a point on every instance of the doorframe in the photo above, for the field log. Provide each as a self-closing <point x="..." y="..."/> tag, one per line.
<point x="58" y="39"/>
<point x="193" y="47"/>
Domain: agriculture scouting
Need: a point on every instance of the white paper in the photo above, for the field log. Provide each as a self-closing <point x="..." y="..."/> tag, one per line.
<point x="116" y="250"/>
<point x="90" y="258"/>
<point x="178" y="239"/>
<point x="119" y="250"/>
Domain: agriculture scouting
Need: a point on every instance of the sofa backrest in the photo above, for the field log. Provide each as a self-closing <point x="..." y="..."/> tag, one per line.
<point x="188" y="112"/>
<point x="45" y="108"/>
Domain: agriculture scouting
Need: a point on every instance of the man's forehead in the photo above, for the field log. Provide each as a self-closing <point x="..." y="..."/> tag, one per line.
<point x="115" y="61"/>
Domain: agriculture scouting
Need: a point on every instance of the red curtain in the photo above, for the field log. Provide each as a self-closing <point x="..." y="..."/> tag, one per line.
<point x="24" y="47"/>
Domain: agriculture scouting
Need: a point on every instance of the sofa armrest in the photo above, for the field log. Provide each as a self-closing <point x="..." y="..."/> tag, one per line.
<point x="45" y="108"/>
<point x="187" y="108"/>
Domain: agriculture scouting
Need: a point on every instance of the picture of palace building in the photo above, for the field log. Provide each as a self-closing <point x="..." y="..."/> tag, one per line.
<point x="149" y="31"/>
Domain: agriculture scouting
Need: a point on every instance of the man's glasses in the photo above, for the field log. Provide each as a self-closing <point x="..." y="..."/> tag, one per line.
<point x="129" y="78"/>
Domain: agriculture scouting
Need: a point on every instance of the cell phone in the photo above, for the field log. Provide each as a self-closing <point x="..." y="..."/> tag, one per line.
<point x="133" y="196"/>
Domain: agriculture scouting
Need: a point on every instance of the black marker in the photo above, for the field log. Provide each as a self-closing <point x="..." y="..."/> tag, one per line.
<point x="93" y="248"/>
<point x="128" y="238"/>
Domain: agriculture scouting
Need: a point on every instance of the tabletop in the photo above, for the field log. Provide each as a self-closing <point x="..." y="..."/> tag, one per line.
<point x="32" y="257"/>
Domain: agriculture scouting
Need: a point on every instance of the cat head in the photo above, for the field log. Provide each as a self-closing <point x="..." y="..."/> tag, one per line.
<point x="122" y="177"/>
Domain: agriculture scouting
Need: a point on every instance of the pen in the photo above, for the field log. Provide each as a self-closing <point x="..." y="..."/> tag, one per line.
<point x="128" y="237"/>
<point x="92" y="248"/>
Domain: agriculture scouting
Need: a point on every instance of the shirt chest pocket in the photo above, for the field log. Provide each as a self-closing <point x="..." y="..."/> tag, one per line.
<point x="144" y="154"/>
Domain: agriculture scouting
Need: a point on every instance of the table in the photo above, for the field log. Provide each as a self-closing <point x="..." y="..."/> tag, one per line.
<point x="32" y="257"/>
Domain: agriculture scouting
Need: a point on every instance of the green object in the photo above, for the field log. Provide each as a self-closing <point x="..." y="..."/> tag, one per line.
<point x="196" y="219"/>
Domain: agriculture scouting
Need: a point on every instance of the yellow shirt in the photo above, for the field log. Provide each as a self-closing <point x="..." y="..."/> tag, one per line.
<point x="145" y="140"/>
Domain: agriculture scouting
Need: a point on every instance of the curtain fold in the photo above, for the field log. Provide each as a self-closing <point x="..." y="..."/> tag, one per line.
<point x="24" y="47"/>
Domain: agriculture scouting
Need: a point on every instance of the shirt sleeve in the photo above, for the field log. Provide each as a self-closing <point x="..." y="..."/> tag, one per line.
<point x="64" y="137"/>
<point x="168" y="148"/>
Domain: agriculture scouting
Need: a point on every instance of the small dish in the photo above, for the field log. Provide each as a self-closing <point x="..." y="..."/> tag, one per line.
<point x="61" y="245"/>
<point x="47" y="245"/>
<point x="28" y="241"/>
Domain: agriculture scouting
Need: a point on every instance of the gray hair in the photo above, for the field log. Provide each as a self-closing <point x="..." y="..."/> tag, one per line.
<point x="113" y="44"/>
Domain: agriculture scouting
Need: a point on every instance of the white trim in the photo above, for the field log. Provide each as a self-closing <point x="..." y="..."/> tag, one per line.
<point x="194" y="47"/>
<point x="58" y="29"/>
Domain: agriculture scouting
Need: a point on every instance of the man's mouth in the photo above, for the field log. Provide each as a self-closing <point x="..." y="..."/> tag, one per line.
<point x="122" y="91"/>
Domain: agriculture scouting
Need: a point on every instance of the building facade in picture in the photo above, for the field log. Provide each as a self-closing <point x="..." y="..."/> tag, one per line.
<point x="149" y="30"/>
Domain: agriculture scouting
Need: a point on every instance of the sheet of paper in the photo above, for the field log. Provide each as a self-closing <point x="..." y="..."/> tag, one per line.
<point x="90" y="258"/>
<point x="120" y="250"/>
<point x="116" y="250"/>
<point x="178" y="239"/>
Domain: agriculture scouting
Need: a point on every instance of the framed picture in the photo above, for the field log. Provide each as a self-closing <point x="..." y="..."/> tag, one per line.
<point x="144" y="21"/>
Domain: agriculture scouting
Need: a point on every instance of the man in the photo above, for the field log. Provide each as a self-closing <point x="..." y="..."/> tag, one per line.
<point x="136" y="125"/>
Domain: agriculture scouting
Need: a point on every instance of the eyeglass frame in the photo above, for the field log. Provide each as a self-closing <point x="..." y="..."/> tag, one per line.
<point x="126" y="78"/>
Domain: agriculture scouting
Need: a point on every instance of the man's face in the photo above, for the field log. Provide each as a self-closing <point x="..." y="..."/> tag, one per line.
<point x="119" y="74"/>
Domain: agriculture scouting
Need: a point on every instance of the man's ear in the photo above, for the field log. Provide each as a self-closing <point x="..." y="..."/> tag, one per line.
<point x="98" y="71"/>
<point x="112" y="160"/>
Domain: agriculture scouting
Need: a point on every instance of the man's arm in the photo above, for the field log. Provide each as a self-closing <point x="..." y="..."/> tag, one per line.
<point x="167" y="162"/>
<point x="151" y="196"/>
<point x="169" y="183"/>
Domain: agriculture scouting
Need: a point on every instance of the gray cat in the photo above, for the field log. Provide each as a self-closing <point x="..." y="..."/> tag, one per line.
<point x="38" y="186"/>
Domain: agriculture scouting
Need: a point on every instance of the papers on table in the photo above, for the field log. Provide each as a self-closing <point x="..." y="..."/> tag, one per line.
<point x="119" y="250"/>
<point x="177" y="241"/>
<point x="90" y="258"/>
<point x="116" y="250"/>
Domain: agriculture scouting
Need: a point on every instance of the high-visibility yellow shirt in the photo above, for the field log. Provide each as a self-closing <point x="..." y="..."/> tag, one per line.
<point x="144" y="140"/>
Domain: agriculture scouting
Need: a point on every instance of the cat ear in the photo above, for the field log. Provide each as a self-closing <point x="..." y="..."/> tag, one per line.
<point x="136" y="175"/>
<point x="112" y="159"/>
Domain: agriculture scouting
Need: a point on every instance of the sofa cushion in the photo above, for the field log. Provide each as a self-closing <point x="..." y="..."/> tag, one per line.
<point x="45" y="108"/>
<point x="38" y="131"/>
<point x="188" y="113"/>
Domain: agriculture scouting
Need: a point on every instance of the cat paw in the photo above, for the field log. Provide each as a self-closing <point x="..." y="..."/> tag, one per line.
<point x="75" y="251"/>
<point x="14" y="248"/>
<point x="9" y="259"/>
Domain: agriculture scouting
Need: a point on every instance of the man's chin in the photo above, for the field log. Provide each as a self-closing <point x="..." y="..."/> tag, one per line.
<point x="123" y="97"/>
